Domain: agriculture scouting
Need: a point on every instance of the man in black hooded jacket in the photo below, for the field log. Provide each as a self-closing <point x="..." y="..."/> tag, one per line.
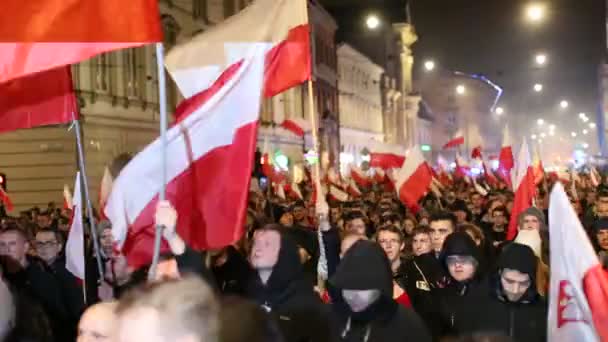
<point x="278" y="284"/>
<point x="367" y="311"/>
<point x="510" y="304"/>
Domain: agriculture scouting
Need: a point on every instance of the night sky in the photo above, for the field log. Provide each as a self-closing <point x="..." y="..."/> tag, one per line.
<point x="493" y="38"/>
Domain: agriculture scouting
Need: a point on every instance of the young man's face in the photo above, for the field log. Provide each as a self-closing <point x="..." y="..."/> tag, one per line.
<point x="107" y="241"/>
<point x="391" y="243"/>
<point x="421" y="244"/>
<point x="601" y="207"/>
<point x="359" y="300"/>
<point x="299" y="213"/>
<point x="13" y="245"/>
<point x="265" y="249"/>
<point x="602" y="239"/>
<point x="47" y="246"/>
<point x="499" y="218"/>
<point x="514" y="284"/>
<point x="440" y="230"/>
<point x="461" y="267"/>
<point x="530" y="222"/>
<point x="476" y="201"/>
<point x="356" y="226"/>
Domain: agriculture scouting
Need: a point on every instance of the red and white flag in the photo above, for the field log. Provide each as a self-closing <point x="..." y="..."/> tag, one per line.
<point x="337" y="194"/>
<point x="294" y="189"/>
<point x="74" y="246"/>
<point x="353" y="189"/>
<point x="413" y="179"/>
<point x="67" y="198"/>
<point x="379" y="175"/>
<point x="595" y="177"/>
<point x="297" y="126"/>
<point x="41" y="35"/>
<point x="105" y="187"/>
<point x="578" y="293"/>
<point x="359" y="176"/>
<point x="279" y="190"/>
<point x="45" y="98"/>
<point x="457" y="141"/>
<point x="463" y="169"/>
<point x="282" y="24"/>
<point x="209" y="168"/>
<point x="6" y="200"/>
<point x="525" y="188"/>
<point x="386" y="160"/>
<point x="505" y="158"/>
<point x="539" y="169"/>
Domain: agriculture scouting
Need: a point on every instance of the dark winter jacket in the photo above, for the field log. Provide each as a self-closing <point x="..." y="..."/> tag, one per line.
<point x="489" y="309"/>
<point x="289" y="297"/>
<point x="231" y="276"/>
<point x="365" y="267"/>
<point x="31" y="321"/>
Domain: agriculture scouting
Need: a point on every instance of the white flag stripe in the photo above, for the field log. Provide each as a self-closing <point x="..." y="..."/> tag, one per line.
<point x="521" y="165"/>
<point x="211" y="126"/>
<point x="412" y="162"/>
<point x="74" y="247"/>
<point x="567" y="299"/>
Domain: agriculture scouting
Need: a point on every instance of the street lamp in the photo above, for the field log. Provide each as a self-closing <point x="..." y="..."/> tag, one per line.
<point x="585" y="146"/>
<point x="585" y="131"/>
<point x="460" y="89"/>
<point x="564" y="104"/>
<point x="535" y="12"/>
<point x="582" y="115"/>
<point x="533" y="137"/>
<point x="573" y="134"/>
<point x="429" y="65"/>
<point x="540" y="122"/>
<point x="538" y="87"/>
<point x="542" y="135"/>
<point x="592" y="125"/>
<point x="372" y="22"/>
<point x="499" y="110"/>
<point x="541" y="59"/>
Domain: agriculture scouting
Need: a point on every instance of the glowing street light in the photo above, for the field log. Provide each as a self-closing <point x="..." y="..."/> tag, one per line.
<point x="541" y="59"/>
<point x="552" y="127"/>
<point x="429" y="65"/>
<point x="543" y="135"/>
<point x="372" y="22"/>
<point x="540" y="122"/>
<point x="564" y="104"/>
<point x="573" y="134"/>
<point x="585" y="146"/>
<point x="538" y="87"/>
<point x="499" y="110"/>
<point x="551" y="133"/>
<point x="582" y="115"/>
<point x="460" y="89"/>
<point x="535" y="12"/>
<point x="592" y="125"/>
<point x="585" y="131"/>
<point x="533" y="136"/>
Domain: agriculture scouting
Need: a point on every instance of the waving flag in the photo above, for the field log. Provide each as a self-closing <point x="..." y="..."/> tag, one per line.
<point x="525" y="189"/>
<point x="413" y="179"/>
<point x="505" y="159"/>
<point x="42" y="35"/>
<point x="359" y="176"/>
<point x="6" y="200"/>
<point x="209" y="167"/>
<point x="283" y="24"/>
<point x="578" y="294"/>
<point x="67" y="198"/>
<point x="74" y="246"/>
<point x="297" y="126"/>
<point x="457" y="141"/>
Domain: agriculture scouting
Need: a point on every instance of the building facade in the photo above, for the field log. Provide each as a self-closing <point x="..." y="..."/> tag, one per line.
<point x="360" y="99"/>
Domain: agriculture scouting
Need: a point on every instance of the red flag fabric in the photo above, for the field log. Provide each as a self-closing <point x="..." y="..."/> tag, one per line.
<point x="525" y="189"/>
<point x="413" y="179"/>
<point x="386" y="160"/>
<point x="454" y="142"/>
<point x="359" y="176"/>
<point x="67" y="198"/>
<point x="209" y="169"/>
<point x="42" y="35"/>
<point x="45" y="98"/>
<point x="6" y="200"/>
<point x="578" y="295"/>
<point x="297" y="126"/>
<point x="476" y="153"/>
<point x="505" y="159"/>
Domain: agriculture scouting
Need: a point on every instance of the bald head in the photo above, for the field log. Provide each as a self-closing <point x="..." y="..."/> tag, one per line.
<point x="98" y="323"/>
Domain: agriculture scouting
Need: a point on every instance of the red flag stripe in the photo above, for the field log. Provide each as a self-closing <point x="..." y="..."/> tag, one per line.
<point x="595" y="284"/>
<point x="454" y="142"/>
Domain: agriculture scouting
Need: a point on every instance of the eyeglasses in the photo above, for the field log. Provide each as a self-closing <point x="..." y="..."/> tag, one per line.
<point x="45" y="244"/>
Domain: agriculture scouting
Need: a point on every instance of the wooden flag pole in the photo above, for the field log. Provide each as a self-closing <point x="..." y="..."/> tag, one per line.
<point x="162" y="100"/>
<point x="85" y="184"/>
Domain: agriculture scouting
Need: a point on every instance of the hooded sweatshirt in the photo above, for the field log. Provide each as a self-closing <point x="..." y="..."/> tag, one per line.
<point x="365" y="267"/>
<point x="490" y="310"/>
<point x="290" y="298"/>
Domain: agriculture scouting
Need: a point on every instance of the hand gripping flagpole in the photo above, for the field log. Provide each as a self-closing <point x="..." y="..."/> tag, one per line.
<point x="85" y="184"/>
<point x="162" y="100"/>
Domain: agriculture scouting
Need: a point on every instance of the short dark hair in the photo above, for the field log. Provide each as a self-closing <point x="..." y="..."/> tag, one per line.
<point x="15" y="229"/>
<point x="444" y="216"/>
<point x="353" y="215"/>
<point x="421" y="230"/>
<point x="501" y="209"/>
<point x="391" y="229"/>
<point x="57" y="233"/>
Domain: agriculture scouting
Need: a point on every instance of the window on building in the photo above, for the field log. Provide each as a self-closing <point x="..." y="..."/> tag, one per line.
<point x="134" y="62"/>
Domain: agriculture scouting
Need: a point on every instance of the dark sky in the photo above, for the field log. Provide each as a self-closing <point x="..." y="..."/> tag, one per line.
<point x="491" y="37"/>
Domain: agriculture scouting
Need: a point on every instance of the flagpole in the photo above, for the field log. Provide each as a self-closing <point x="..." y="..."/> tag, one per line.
<point x="85" y="182"/>
<point x="162" y="101"/>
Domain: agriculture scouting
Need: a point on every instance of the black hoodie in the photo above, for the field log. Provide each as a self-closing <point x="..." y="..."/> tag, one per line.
<point x="489" y="309"/>
<point x="290" y="298"/>
<point x="365" y="267"/>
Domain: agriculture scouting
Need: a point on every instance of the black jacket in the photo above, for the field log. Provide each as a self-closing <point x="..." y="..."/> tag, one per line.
<point x="365" y="267"/>
<point x="231" y="276"/>
<point x="289" y="297"/>
<point x="488" y="309"/>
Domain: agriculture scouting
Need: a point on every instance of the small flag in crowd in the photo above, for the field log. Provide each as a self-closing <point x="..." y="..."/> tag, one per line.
<point x="67" y="198"/>
<point x="6" y="200"/>
<point x="578" y="297"/>
<point x="505" y="158"/>
<point x="413" y="179"/>
<point x="457" y="141"/>
<point x="525" y="189"/>
<point x="386" y="160"/>
<point x="74" y="246"/>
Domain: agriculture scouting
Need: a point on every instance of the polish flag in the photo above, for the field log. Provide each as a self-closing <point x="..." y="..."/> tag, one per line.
<point x="282" y="24"/>
<point x="595" y="177"/>
<point x="386" y="160"/>
<point x="463" y="169"/>
<point x="105" y="187"/>
<point x="539" y="170"/>
<point x="74" y="246"/>
<point x="457" y="141"/>
<point x="353" y="189"/>
<point x="578" y="292"/>
<point x="413" y="179"/>
<point x="334" y="178"/>
<point x="6" y="200"/>
<point x="41" y="99"/>
<point x="297" y="126"/>
<point x="294" y="190"/>
<point x="359" y="176"/>
<point x="525" y="189"/>
<point x="490" y="178"/>
<point x="379" y="175"/>
<point x="505" y="159"/>
<point x="42" y="35"/>
<point x="68" y="202"/>
<point x="337" y="194"/>
<point x="209" y="168"/>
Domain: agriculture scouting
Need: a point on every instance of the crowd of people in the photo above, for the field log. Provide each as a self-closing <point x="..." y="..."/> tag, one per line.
<point x="367" y="269"/>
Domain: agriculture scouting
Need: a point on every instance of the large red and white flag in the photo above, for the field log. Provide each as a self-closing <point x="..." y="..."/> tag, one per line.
<point x="457" y="141"/>
<point x="525" y="188"/>
<point x="41" y="35"/>
<point x="45" y="98"/>
<point x="413" y="179"/>
<point x="578" y="293"/>
<point x="209" y="168"/>
<point x="386" y="159"/>
<point x="505" y="158"/>
<point x="74" y="246"/>
<point x="281" y="23"/>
